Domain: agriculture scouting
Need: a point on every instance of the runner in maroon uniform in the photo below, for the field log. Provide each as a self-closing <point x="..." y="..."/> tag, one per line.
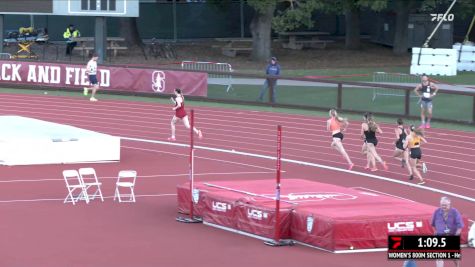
<point x="180" y="114"/>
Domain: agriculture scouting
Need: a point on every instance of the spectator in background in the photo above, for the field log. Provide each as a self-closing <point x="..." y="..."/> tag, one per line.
<point x="273" y="69"/>
<point x="71" y="33"/>
<point x="446" y="221"/>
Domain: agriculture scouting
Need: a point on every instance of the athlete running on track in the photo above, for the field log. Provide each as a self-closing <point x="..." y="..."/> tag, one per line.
<point x="400" y="153"/>
<point x="337" y="125"/>
<point x="413" y="143"/>
<point x="369" y="128"/>
<point x="180" y="114"/>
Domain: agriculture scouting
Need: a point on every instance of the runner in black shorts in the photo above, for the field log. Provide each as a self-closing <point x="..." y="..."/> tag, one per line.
<point x="369" y="128"/>
<point x="413" y="143"/>
<point x="400" y="153"/>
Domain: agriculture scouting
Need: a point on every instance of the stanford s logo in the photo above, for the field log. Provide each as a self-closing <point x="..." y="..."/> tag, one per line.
<point x="158" y="81"/>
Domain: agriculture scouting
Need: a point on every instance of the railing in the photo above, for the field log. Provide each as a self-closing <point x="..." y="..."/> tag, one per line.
<point x="347" y="96"/>
<point x="323" y="94"/>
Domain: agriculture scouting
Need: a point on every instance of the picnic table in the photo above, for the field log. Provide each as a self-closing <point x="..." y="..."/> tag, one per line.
<point x="233" y="46"/>
<point x="86" y="44"/>
<point x="299" y="40"/>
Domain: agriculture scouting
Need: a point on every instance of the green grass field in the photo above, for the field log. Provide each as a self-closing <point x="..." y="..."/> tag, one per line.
<point x="454" y="107"/>
<point x="365" y="74"/>
<point x="53" y="93"/>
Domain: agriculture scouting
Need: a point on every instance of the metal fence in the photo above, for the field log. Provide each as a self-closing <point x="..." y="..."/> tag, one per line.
<point x="395" y="79"/>
<point x="5" y="56"/>
<point x="210" y="67"/>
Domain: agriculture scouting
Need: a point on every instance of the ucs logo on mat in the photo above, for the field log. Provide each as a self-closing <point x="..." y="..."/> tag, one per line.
<point x="403" y="226"/>
<point x="220" y="206"/>
<point x="256" y="214"/>
<point x="158" y="81"/>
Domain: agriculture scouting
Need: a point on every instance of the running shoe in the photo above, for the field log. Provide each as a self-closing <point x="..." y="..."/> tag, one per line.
<point x="423" y="126"/>
<point x="411" y="177"/>
<point x="385" y="166"/>
<point x="350" y="166"/>
<point x="366" y="167"/>
<point x="421" y="182"/>
<point x="93" y="99"/>
<point x="85" y="91"/>
<point x="424" y="167"/>
<point x="200" y="134"/>
<point x="428" y="125"/>
<point x="374" y="169"/>
<point x="171" y="139"/>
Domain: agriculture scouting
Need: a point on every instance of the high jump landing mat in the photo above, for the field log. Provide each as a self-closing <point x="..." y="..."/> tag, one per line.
<point x="25" y="141"/>
<point x="324" y="216"/>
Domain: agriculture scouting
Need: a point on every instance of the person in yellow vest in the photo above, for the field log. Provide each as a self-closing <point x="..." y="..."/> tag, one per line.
<point x="71" y="33"/>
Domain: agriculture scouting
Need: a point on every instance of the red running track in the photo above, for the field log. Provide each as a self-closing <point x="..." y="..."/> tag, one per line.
<point x="41" y="231"/>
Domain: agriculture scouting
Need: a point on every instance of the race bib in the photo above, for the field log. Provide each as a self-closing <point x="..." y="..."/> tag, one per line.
<point x="426" y="95"/>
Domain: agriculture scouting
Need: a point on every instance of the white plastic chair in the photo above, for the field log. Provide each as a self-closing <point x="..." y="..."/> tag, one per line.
<point x="76" y="189"/>
<point x="89" y="179"/>
<point x="125" y="182"/>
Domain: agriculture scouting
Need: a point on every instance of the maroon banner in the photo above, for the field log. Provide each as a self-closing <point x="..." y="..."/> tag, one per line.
<point x="110" y="78"/>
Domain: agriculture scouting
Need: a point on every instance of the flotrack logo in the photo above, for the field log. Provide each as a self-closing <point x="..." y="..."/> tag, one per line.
<point x="158" y="81"/>
<point x="403" y="226"/>
<point x="315" y="196"/>
<point x="220" y="206"/>
<point x="256" y="214"/>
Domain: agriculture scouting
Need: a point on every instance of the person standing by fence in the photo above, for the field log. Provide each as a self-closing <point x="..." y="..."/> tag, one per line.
<point x="272" y="71"/>
<point x="427" y="90"/>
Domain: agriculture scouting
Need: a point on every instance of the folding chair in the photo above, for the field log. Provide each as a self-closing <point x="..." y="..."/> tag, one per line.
<point x="125" y="179"/>
<point x="89" y="179"/>
<point x="74" y="184"/>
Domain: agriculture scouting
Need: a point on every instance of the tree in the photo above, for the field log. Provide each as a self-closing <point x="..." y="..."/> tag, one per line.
<point x="293" y="18"/>
<point x="130" y="32"/>
<point x="261" y="28"/>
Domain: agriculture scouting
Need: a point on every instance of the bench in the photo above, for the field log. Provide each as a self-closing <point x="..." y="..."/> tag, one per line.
<point x="233" y="46"/>
<point x="299" y="44"/>
<point x="86" y="49"/>
<point x="232" y="51"/>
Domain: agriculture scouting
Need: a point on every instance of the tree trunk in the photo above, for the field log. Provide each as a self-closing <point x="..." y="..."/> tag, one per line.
<point x="400" y="45"/>
<point x="260" y="27"/>
<point x="129" y="30"/>
<point x="352" y="28"/>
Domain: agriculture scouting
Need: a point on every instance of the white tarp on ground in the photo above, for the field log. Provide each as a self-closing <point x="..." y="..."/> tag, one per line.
<point x="25" y="141"/>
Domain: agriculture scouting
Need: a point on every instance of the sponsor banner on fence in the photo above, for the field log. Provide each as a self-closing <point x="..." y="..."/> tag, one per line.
<point x="110" y="78"/>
